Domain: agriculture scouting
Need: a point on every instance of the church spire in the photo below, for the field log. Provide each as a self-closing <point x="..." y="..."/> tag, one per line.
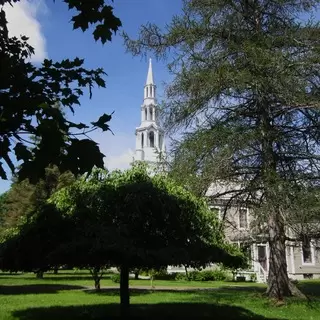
<point x="150" y="87"/>
<point x="150" y="74"/>
<point x="149" y="136"/>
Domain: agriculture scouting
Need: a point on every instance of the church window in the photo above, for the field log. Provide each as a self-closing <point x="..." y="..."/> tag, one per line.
<point x="147" y="92"/>
<point x="151" y="113"/>
<point x="151" y="139"/>
<point x="145" y="114"/>
<point x="142" y="140"/>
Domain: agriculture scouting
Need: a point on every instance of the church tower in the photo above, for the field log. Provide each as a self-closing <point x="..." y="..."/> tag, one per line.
<point x="149" y="136"/>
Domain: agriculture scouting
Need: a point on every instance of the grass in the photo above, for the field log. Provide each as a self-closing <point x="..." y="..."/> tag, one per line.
<point x="67" y="296"/>
<point x="84" y="279"/>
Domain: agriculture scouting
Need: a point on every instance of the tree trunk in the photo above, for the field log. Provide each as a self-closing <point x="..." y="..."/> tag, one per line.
<point x="278" y="280"/>
<point x="97" y="284"/>
<point x="39" y="274"/>
<point x="124" y="291"/>
<point x="136" y="275"/>
<point x="187" y="274"/>
<point x="55" y="270"/>
<point x="96" y="278"/>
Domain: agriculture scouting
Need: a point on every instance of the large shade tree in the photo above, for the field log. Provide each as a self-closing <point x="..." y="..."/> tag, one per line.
<point x="28" y="95"/>
<point x="23" y="198"/>
<point x="246" y="93"/>
<point x="131" y="220"/>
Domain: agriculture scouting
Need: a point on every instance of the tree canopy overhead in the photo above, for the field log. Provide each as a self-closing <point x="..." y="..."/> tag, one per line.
<point x="28" y="95"/>
<point x="246" y="92"/>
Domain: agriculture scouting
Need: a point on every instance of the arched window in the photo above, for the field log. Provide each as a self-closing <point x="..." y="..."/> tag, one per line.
<point x="151" y="139"/>
<point x="151" y="113"/>
<point x="145" y="114"/>
<point x="142" y="140"/>
<point x="146" y="92"/>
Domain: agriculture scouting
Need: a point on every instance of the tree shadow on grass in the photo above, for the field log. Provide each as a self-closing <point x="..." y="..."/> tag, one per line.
<point x="112" y="292"/>
<point x="310" y="288"/>
<point x="236" y="295"/>
<point x="148" y="311"/>
<point x="36" y="288"/>
<point x="236" y="288"/>
<point x="49" y="277"/>
<point x="67" y="278"/>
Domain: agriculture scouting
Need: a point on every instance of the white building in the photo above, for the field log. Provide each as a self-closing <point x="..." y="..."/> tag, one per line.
<point x="150" y="142"/>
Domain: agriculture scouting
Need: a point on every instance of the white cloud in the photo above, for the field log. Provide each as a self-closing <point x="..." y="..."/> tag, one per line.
<point x="117" y="148"/>
<point x="120" y="161"/>
<point x="22" y="19"/>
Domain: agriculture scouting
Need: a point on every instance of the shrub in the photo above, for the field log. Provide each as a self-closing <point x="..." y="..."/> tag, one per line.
<point x="194" y="276"/>
<point x="168" y="276"/>
<point x="253" y="277"/>
<point x="160" y="274"/>
<point x="208" y="275"/>
<point x="115" y="278"/>
<point x="179" y="276"/>
<point x="144" y="273"/>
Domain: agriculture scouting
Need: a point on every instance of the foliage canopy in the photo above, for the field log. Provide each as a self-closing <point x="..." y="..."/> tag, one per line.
<point x="28" y="95"/>
<point x="125" y="219"/>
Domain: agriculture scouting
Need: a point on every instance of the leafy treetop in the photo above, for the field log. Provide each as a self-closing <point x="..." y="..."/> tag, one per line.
<point x="28" y="95"/>
<point x="151" y="221"/>
<point x="127" y="219"/>
<point x="93" y="12"/>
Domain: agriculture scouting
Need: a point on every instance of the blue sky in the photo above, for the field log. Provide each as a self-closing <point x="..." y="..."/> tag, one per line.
<point x="47" y="24"/>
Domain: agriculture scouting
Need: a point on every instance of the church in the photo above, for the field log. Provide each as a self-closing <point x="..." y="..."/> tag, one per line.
<point x="303" y="259"/>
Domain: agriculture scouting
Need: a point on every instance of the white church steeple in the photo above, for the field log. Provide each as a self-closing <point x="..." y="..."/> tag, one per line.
<point x="149" y="136"/>
<point x="150" y="74"/>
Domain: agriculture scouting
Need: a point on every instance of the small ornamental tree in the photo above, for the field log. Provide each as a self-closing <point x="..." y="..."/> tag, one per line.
<point x="129" y="220"/>
<point x="132" y="220"/>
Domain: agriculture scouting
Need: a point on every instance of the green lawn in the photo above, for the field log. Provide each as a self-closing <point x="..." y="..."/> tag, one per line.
<point x="67" y="296"/>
